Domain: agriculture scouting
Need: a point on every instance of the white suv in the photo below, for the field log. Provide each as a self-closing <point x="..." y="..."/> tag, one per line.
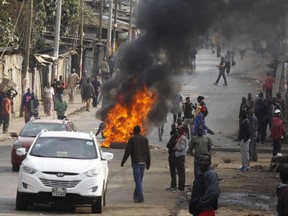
<point x="63" y="168"/>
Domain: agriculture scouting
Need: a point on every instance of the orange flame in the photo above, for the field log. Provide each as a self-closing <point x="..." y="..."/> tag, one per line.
<point x="122" y="118"/>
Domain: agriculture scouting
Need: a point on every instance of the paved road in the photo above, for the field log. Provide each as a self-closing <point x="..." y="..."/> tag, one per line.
<point x="223" y="103"/>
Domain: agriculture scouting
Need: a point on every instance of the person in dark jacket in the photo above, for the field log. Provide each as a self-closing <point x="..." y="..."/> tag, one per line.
<point x="88" y="92"/>
<point x="282" y="192"/>
<point x="244" y="137"/>
<point x="205" y="190"/>
<point x="96" y="84"/>
<point x="261" y="111"/>
<point x="174" y="133"/>
<point x="221" y="67"/>
<point x="138" y="148"/>
<point x="33" y="106"/>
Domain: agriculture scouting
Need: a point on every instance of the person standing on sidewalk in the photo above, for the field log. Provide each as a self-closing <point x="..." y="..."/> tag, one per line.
<point x="83" y="82"/>
<point x="268" y="85"/>
<point x="61" y="107"/>
<point x="277" y="132"/>
<point x="6" y="112"/>
<point x="33" y="106"/>
<point x="25" y="98"/>
<point x="48" y="99"/>
<point x="138" y="148"/>
<point x="205" y="189"/>
<point x="221" y="67"/>
<point x="88" y="93"/>
<point x="60" y="86"/>
<point x="180" y="149"/>
<point x="244" y="137"/>
<point x="71" y="84"/>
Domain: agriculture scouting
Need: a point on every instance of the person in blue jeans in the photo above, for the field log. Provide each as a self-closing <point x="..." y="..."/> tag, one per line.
<point x="138" y="148"/>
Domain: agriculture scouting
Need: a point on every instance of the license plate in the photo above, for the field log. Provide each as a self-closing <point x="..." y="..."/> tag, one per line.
<point x="59" y="192"/>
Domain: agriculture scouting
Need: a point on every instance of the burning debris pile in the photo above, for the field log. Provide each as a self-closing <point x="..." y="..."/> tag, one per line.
<point x="142" y="88"/>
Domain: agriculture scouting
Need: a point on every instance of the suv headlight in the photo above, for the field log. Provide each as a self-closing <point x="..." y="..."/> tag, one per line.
<point x="28" y="169"/>
<point x="93" y="172"/>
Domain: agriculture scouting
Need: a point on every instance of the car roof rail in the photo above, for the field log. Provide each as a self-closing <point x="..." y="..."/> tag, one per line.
<point x="43" y="131"/>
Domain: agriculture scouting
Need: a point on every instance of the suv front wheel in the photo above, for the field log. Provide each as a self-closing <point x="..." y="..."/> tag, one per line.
<point x="21" y="201"/>
<point x="15" y="167"/>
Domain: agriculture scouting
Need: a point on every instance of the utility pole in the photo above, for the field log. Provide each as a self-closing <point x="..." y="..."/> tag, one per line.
<point x="130" y="20"/>
<point x="115" y="27"/>
<point x="57" y="39"/>
<point x="109" y="51"/>
<point x="100" y="21"/>
<point x="81" y="39"/>
<point x="25" y="66"/>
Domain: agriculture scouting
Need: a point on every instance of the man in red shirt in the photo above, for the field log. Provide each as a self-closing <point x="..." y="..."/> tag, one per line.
<point x="268" y="85"/>
<point x="6" y="112"/>
<point x="277" y="132"/>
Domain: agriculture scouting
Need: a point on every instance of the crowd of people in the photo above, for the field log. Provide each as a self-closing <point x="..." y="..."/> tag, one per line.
<point x="53" y="93"/>
<point x="188" y="136"/>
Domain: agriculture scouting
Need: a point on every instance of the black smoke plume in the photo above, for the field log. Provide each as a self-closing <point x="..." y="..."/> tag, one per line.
<point x="169" y="28"/>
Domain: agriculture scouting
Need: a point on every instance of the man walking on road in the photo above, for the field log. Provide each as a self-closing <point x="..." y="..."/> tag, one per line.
<point x="228" y="60"/>
<point x="268" y="85"/>
<point x="138" y="148"/>
<point x="61" y="107"/>
<point x="221" y="67"/>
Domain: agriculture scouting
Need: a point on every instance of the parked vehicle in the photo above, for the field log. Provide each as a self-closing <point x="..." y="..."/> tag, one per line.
<point x="63" y="169"/>
<point x="30" y="131"/>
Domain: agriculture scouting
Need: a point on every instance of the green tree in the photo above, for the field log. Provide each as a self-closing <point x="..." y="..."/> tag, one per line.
<point x="7" y="24"/>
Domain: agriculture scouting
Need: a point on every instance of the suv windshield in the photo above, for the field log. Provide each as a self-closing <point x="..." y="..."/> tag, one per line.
<point x="63" y="147"/>
<point x="31" y="130"/>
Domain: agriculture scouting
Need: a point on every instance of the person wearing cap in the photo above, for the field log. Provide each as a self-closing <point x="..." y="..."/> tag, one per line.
<point x="277" y="132"/>
<point x="205" y="189"/>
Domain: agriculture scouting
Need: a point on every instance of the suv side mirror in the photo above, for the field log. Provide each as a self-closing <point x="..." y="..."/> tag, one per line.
<point x="21" y="151"/>
<point x="107" y="156"/>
